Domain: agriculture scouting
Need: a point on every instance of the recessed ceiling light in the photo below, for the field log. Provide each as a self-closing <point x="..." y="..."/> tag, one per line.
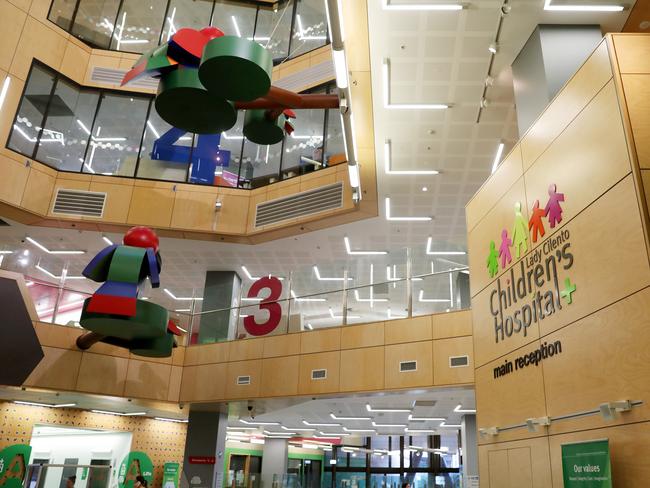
<point x="411" y="417"/>
<point x="375" y="424"/>
<point x="493" y="48"/>
<point x="321" y="424"/>
<point x="395" y="410"/>
<point x="349" y="418"/>
<point x="359" y="430"/>
<point x="58" y="277"/>
<point x="583" y="8"/>
<point x="164" y="419"/>
<point x="403" y="219"/>
<point x="3" y="92"/>
<point x="412" y="106"/>
<point x="120" y="414"/>
<point x="329" y="435"/>
<point x="389" y="171"/>
<point x="346" y="241"/>
<point x="459" y="409"/>
<point x="6" y="252"/>
<point x="424" y="188"/>
<point x="419" y="431"/>
<point x="50" y="405"/>
<point x="107" y="240"/>
<point x="180" y="299"/>
<point x="45" y="249"/>
<point x="431" y="300"/>
<point x="323" y="278"/>
<point x="497" y="157"/>
<point x="442" y="253"/>
<point x="306" y="299"/>
<point x="247" y="422"/>
<point x="451" y="426"/>
<point x="298" y="429"/>
<point x="386" y="5"/>
<point x="255" y="278"/>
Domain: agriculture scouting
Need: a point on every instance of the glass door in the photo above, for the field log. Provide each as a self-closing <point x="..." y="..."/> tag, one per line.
<point x="311" y="477"/>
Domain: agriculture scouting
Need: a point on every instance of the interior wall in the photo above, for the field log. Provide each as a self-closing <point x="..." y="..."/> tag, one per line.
<point x="161" y="441"/>
<point x="585" y="145"/>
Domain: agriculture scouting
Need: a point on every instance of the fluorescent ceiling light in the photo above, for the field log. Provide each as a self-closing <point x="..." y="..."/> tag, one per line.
<point x="340" y="68"/>
<point x="375" y="424"/>
<point x="323" y="424"/>
<point x="359" y="430"/>
<point x="459" y="409"/>
<point x="371" y="299"/>
<point x="107" y="240"/>
<point x="279" y="434"/>
<point x="183" y="310"/>
<point x="235" y="427"/>
<point x="420" y="6"/>
<point x="121" y="414"/>
<point x="353" y="173"/>
<point x="403" y="219"/>
<point x="257" y="441"/>
<point x="293" y="295"/>
<point x="497" y="157"/>
<point x="255" y="278"/>
<point x="394" y="277"/>
<point x="419" y="431"/>
<point x="349" y="418"/>
<point x="323" y="278"/>
<point x="431" y="300"/>
<point x="346" y="241"/>
<point x="442" y="253"/>
<point x="327" y="435"/>
<point x="412" y="106"/>
<point x="180" y="299"/>
<point x="451" y="426"/>
<point x="389" y="171"/>
<point x="411" y="417"/>
<point x="43" y="248"/>
<point x="386" y="410"/>
<point x="50" y="405"/>
<point x="3" y="92"/>
<point x="493" y="48"/>
<point x="582" y="8"/>
<point x="164" y="419"/>
<point x="6" y="252"/>
<point x="58" y="277"/>
<point x="258" y="423"/>
<point x="153" y="129"/>
<point x="341" y="316"/>
<point x="298" y="429"/>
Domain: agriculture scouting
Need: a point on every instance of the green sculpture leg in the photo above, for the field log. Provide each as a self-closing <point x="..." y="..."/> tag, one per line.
<point x="149" y="322"/>
<point x="161" y="347"/>
<point x="260" y="130"/>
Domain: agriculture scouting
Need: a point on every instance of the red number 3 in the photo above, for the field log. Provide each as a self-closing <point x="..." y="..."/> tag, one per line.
<point x="274" y="308"/>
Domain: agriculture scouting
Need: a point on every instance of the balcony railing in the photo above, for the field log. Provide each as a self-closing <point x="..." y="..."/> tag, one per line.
<point x="307" y="299"/>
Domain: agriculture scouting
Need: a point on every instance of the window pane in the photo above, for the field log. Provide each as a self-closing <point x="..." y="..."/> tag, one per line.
<point x="273" y="29"/>
<point x="260" y="164"/>
<point x="157" y="162"/>
<point x="67" y="128"/>
<point x="234" y="19"/>
<point x="379" y="460"/>
<point x="31" y="111"/>
<point x="95" y="21"/>
<point x="451" y="459"/>
<point x="231" y="140"/>
<point x="304" y="148"/>
<point x="334" y="146"/>
<point x="193" y="14"/>
<point x="310" y="27"/>
<point x="116" y="136"/>
<point x="61" y="13"/>
<point x="417" y="459"/>
<point x="138" y="25"/>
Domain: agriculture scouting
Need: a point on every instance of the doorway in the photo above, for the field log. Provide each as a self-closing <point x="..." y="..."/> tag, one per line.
<point x="244" y="471"/>
<point x="307" y="471"/>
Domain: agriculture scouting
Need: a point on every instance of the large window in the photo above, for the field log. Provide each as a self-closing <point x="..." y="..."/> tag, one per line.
<point x="77" y="129"/>
<point x="287" y="28"/>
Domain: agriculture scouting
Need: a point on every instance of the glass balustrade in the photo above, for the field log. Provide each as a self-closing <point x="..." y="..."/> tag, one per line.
<point x="368" y="289"/>
<point x="288" y="28"/>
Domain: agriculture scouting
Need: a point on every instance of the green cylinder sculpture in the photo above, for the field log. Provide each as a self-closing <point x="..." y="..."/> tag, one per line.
<point x="260" y="129"/>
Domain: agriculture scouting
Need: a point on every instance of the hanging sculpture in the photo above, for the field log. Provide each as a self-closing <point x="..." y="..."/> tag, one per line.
<point x="206" y="76"/>
<point x="114" y="314"/>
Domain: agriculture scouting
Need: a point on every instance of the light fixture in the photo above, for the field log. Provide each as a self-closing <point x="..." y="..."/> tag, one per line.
<point x="5" y="89"/>
<point x="387" y="409"/>
<point x="293" y="295"/>
<point x="349" y="418"/>
<point x="359" y="430"/>
<point x="301" y="32"/>
<point x="424" y="188"/>
<point x="247" y="422"/>
<point x="332" y="462"/>
<point x="371" y="299"/>
<point x="180" y="299"/>
<point x="489" y="80"/>
<point x="58" y="277"/>
<point x="402" y="219"/>
<point x="107" y="240"/>
<point x="255" y="278"/>
<point x="323" y="278"/>
<point x="353" y="174"/>
<point x="164" y="419"/>
<point x="419" y="431"/>
<point x="298" y="429"/>
<point x="426" y="419"/>
<point x="375" y="424"/>
<point x="386" y="5"/>
<point x="120" y="414"/>
<point x="389" y="171"/>
<point x="50" y="405"/>
<point x="6" y="252"/>
<point x="284" y="435"/>
<point x="236" y="427"/>
<point x="45" y="249"/>
<point x="451" y="426"/>
<point x="459" y="409"/>
<point x="497" y="157"/>
<point x="340" y="68"/>
<point x="583" y="8"/>
<point x="329" y="435"/>
<point x="346" y="241"/>
<point x="256" y="441"/>
<point x="321" y="424"/>
<point x="331" y="312"/>
<point x="608" y="410"/>
<point x="441" y="253"/>
<point x="404" y="106"/>
<point x="493" y="48"/>
<point x="334" y="13"/>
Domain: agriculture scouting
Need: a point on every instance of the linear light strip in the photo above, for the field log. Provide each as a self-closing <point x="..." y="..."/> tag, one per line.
<point x="442" y="253"/>
<point x="386" y="5"/>
<point x="180" y="299"/>
<point x="45" y="249"/>
<point x="389" y="171"/>
<point x="404" y="106"/>
<point x="346" y="241"/>
<point x="323" y="278"/>
<point x="583" y="8"/>
<point x="403" y="219"/>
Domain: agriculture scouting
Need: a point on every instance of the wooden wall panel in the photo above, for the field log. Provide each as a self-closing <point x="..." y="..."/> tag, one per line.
<point x="413" y="351"/>
<point x="147" y="380"/>
<point x="320" y="340"/>
<point x="243" y="368"/>
<point x="452" y="324"/>
<point x="329" y="361"/>
<point x="13" y="181"/>
<point x="408" y="330"/>
<point x="280" y="376"/>
<point x="443" y="350"/>
<point x="12" y="21"/>
<point x="118" y="199"/>
<point x="38" y="191"/>
<point x="207" y="353"/>
<point x="151" y="203"/>
<point x="637" y="96"/>
<point x="362" y="369"/>
<point x="105" y="375"/>
<point x="246" y="349"/>
<point x="495" y="468"/>
<point x="365" y="335"/>
<point x="281" y="345"/>
<point x="203" y="383"/>
<point x="40" y="41"/>
<point x="57" y="370"/>
<point x="632" y="53"/>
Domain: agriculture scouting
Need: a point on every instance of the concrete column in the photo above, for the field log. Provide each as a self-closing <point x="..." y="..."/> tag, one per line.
<point x="552" y="54"/>
<point x="221" y="290"/>
<point x="469" y="444"/>
<point x="206" y="437"/>
<point x="274" y="461"/>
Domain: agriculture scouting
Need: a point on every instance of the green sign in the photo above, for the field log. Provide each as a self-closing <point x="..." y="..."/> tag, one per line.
<point x="586" y="464"/>
<point x="135" y="464"/>
<point x="13" y="465"/>
<point x="171" y="472"/>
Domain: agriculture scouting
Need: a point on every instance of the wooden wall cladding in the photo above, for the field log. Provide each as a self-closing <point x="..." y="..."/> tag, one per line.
<point x="355" y="358"/>
<point x="28" y="188"/>
<point x="592" y="141"/>
<point x="162" y="441"/>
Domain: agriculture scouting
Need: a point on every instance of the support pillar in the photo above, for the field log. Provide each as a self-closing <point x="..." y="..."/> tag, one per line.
<point x="274" y="461"/>
<point x="206" y="438"/>
<point x="469" y="444"/>
<point x="550" y="57"/>
<point x="221" y="290"/>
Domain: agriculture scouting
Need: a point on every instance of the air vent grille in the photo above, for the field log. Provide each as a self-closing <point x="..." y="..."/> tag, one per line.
<point x="243" y="380"/>
<point x="306" y="203"/>
<point x="458" y="361"/>
<point x="407" y="366"/>
<point x="318" y="374"/>
<point x="113" y="76"/>
<point x="79" y="202"/>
